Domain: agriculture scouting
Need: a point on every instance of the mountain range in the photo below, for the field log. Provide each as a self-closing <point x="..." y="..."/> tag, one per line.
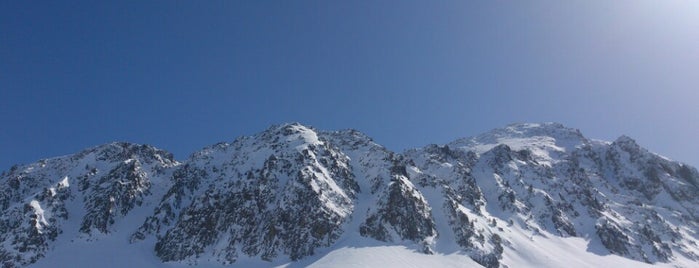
<point x="523" y="195"/>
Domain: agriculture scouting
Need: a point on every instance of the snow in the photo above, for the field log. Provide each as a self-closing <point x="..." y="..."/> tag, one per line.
<point x="385" y="257"/>
<point x="570" y="252"/>
<point x="39" y="212"/>
<point x="525" y="251"/>
<point x="324" y="178"/>
<point x="110" y="252"/>
<point x="64" y="182"/>
<point x="303" y="137"/>
<point x="546" y="141"/>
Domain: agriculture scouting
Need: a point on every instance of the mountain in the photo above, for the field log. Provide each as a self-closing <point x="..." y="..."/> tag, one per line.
<point x="293" y="196"/>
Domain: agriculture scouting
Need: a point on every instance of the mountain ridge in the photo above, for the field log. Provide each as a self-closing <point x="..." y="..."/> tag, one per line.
<point x="292" y="191"/>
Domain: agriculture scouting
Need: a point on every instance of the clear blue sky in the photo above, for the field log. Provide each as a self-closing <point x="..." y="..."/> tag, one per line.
<point x="181" y="75"/>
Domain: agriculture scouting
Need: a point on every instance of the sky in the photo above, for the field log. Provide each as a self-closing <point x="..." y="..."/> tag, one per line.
<point x="181" y="75"/>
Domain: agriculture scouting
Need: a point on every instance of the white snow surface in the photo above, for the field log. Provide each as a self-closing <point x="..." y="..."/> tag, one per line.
<point x="525" y="251"/>
<point x="546" y="141"/>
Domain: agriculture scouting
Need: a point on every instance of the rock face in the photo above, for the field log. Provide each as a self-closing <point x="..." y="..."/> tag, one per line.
<point x="283" y="192"/>
<point x="291" y="191"/>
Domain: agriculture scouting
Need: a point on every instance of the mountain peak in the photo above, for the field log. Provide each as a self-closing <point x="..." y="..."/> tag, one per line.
<point x="120" y="150"/>
<point x="552" y="129"/>
<point x="293" y="134"/>
<point x="288" y="128"/>
<point x="525" y="125"/>
<point x="544" y="140"/>
<point x="527" y="130"/>
<point x="288" y="135"/>
<point x="623" y="139"/>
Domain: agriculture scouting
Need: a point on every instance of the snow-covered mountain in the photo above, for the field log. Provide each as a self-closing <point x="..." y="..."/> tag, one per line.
<point x="293" y="196"/>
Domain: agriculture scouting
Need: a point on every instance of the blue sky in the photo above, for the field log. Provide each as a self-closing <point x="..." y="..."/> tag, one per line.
<point x="181" y="75"/>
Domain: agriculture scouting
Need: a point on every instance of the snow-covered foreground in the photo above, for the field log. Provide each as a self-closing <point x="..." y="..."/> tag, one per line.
<point x="525" y="251"/>
<point x="387" y="257"/>
<point x="542" y="252"/>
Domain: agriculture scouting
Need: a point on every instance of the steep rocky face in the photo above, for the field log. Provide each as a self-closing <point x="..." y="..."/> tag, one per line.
<point x="652" y="198"/>
<point x="393" y="210"/>
<point x="459" y="201"/>
<point x="97" y="186"/>
<point x="282" y="192"/>
<point x="291" y="191"/>
<point x="402" y="212"/>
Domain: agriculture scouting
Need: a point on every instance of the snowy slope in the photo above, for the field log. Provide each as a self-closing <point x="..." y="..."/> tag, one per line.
<point x="85" y="196"/>
<point x="526" y="195"/>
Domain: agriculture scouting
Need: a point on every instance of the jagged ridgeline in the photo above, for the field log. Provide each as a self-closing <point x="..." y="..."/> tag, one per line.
<point x="292" y="191"/>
